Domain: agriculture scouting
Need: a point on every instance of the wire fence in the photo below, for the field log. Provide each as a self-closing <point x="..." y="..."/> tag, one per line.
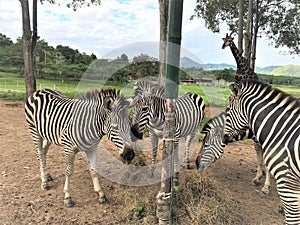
<point x="19" y="86"/>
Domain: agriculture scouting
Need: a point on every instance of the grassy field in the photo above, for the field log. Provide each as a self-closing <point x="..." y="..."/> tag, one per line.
<point x="12" y="87"/>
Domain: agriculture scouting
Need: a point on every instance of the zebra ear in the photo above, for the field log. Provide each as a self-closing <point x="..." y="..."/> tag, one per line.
<point x="234" y="89"/>
<point x="108" y="102"/>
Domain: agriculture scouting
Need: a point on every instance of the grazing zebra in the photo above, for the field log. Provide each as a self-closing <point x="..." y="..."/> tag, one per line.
<point x="213" y="148"/>
<point x="274" y="118"/>
<point x="149" y="111"/>
<point x="78" y="125"/>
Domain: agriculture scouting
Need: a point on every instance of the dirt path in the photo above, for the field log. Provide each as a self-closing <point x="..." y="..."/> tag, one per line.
<point x="23" y="202"/>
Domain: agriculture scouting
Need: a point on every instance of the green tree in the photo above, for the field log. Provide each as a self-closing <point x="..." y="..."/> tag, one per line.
<point x="279" y="20"/>
<point x="143" y="58"/>
<point x="30" y="37"/>
<point x="5" y="41"/>
<point x="11" y="57"/>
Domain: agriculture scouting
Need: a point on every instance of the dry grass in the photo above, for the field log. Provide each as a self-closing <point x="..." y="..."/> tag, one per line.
<point x="197" y="201"/>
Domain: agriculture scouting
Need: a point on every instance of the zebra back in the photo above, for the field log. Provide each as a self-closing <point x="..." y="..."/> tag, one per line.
<point x="150" y="112"/>
<point x="76" y="123"/>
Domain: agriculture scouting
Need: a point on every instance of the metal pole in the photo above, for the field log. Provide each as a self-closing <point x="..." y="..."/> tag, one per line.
<point x="164" y="197"/>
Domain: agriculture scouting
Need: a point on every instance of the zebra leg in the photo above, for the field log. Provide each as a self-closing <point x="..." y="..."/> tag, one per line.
<point x="176" y="164"/>
<point x="186" y="159"/>
<point x="289" y="192"/>
<point x="91" y="157"/>
<point x="154" y="144"/>
<point x="42" y="149"/>
<point x="266" y="188"/>
<point x="70" y="156"/>
<point x="259" y="156"/>
<point x="46" y="145"/>
<point x="97" y="188"/>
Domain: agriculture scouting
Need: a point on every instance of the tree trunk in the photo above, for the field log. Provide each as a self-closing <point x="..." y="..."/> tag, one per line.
<point x="30" y="81"/>
<point x="241" y="25"/>
<point x="164" y="197"/>
<point x="163" y="18"/>
<point x="254" y="41"/>
<point x="34" y="37"/>
<point x="248" y="33"/>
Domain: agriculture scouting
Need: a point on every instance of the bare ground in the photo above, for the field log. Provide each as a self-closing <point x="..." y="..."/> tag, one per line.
<point x="225" y="196"/>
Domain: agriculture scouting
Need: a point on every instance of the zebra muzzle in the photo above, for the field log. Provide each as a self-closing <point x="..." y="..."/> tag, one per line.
<point x="127" y="154"/>
<point x="226" y="138"/>
<point x="135" y="131"/>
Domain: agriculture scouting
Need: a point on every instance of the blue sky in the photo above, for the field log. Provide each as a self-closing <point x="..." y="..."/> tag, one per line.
<point x="117" y="25"/>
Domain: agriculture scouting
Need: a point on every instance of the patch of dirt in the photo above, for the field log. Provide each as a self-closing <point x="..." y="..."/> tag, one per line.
<point x="23" y="202"/>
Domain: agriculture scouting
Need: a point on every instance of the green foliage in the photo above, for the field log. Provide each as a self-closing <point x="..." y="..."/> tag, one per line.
<point x="5" y="41"/>
<point x="60" y="62"/>
<point x="279" y="20"/>
<point x="139" y="211"/>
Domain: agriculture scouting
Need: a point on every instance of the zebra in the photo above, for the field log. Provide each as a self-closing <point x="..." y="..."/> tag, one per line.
<point x="212" y="148"/>
<point x="274" y="118"/>
<point x="78" y="125"/>
<point x="149" y="111"/>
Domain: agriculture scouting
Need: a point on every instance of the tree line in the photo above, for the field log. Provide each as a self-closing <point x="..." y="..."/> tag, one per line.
<point x="63" y="62"/>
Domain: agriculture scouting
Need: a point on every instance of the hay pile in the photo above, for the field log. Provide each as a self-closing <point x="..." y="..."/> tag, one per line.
<point x="197" y="201"/>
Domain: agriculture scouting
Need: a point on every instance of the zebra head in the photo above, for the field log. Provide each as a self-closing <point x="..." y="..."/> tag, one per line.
<point x="141" y="116"/>
<point x="118" y="125"/>
<point x="212" y="146"/>
<point x="148" y="99"/>
<point x="236" y="118"/>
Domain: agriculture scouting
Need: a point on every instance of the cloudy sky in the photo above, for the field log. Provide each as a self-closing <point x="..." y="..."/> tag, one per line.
<point x="127" y="26"/>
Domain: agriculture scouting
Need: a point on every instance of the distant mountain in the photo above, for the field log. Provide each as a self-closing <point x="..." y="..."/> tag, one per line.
<point x="221" y="66"/>
<point x="186" y="62"/>
<point x="265" y="70"/>
<point x="288" y="70"/>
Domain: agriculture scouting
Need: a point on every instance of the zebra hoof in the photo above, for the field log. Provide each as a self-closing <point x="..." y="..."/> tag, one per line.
<point x="265" y="190"/>
<point x="255" y="182"/>
<point x="176" y="184"/>
<point x="49" y="178"/>
<point x="69" y="202"/>
<point x="45" y="187"/>
<point x="102" y="197"/>
<point x="103" y="200"/>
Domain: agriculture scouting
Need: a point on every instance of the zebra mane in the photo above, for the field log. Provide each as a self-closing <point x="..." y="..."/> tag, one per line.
<point x="213" y="122"/>
<point x="96" y="93"/>
<point x="54" y="92"/>
<point x="144" y="88"/>
<point x="120" y="101"/>
<point x="254" y="85"/>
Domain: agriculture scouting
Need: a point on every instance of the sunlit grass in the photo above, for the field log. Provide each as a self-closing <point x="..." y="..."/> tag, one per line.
<point x="12" y="86"/>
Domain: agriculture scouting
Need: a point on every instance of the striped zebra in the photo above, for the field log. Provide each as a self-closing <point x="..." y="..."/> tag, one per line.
<point x="149" y="111"/>
<point x="274" y="118"/>
<point x="78" y="125"/>
<point x="213" y="148"/>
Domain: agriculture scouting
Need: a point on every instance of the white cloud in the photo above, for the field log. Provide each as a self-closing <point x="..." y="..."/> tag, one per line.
<point x="117" y="23"/>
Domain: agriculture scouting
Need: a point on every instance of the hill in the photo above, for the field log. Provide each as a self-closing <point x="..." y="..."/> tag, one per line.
<point x="186" y="62"/>
<point x="265" y="70"/>
<point x="288" y="70"/>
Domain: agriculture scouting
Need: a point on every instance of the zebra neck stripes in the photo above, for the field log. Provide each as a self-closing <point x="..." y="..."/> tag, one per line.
<point x="274" y="117"/>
